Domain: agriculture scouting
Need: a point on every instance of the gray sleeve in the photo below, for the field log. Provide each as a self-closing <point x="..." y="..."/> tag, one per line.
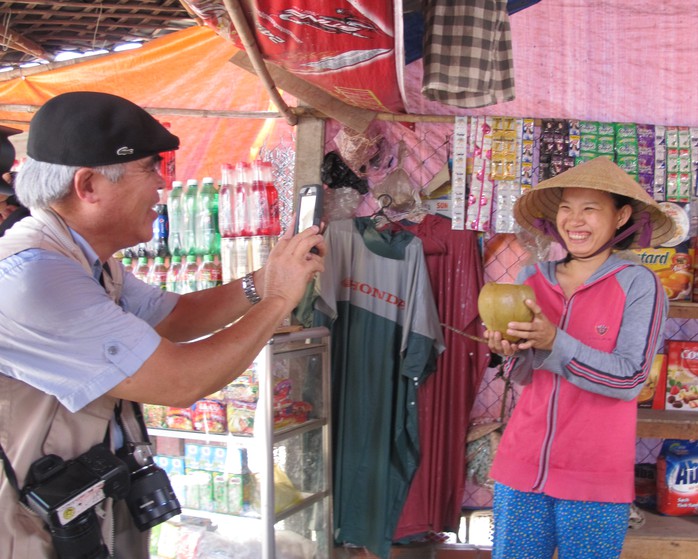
<point x="519" y="368"/>
<point x="621" y="373"/>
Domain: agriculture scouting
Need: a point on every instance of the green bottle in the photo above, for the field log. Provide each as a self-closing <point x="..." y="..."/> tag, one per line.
<point x="190" y="214"/>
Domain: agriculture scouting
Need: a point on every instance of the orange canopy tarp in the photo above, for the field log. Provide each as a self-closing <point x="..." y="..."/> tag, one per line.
<point x="188" y="69"/>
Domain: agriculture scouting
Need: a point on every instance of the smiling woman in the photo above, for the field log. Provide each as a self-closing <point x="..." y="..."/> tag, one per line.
<point x="587" y="221"/>
<point x="597" y="323"/>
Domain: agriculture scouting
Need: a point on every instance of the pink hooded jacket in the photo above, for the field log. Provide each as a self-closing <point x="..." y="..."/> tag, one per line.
<point x="572" y="432"/>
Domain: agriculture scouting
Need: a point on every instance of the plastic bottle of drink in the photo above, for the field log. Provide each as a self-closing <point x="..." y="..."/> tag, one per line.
<point x="259" y="217"/>
<point x="158" y="273"/>
<point x="174" y="212"/>
<point x="240" y="201"/>
<point x="142" y="269"/>
<point x="224" y="201"/>
<point x="187" y="282"/>
<point x="127" y="261"/>
<point x="216" y="249"/>
<point x="209" y="273"/>
<point x="207" y="223"/>
<point x="189" y="216"/>
<point x="272" y="199"/>
<point x="161" y="229"/>
<point x="142" y="250"/>
<point x="173" y="274"/>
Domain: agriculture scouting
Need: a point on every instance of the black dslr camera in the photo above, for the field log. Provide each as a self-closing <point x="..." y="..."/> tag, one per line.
<point x="64" y="494"/>
<point x="151" y="499"/>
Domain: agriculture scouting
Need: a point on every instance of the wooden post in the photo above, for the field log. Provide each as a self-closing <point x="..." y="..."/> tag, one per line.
<point x="310" y="150"/>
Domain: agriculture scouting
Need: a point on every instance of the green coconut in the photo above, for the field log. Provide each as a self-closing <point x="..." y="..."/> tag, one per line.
<point x="502" y="303"/>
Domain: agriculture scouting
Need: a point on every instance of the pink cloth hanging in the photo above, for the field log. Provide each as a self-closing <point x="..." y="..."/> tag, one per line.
<point x="446" y="398"/>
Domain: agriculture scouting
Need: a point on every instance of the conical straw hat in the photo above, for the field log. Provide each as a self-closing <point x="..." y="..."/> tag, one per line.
<point x="541" y="202"/>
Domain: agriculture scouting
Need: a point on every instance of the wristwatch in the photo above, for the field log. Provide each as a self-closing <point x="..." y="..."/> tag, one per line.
<point x="249" y="288"/>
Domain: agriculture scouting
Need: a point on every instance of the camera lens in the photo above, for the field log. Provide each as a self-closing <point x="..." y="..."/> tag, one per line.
<point x="80" y="539"/>
<point x="151" y="499"/>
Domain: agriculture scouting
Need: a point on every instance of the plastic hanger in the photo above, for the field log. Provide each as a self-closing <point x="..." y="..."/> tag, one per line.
<point x="380" y="213"/>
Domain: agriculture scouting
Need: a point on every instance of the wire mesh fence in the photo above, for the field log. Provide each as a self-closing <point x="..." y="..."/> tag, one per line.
<point x="401" y="160"/>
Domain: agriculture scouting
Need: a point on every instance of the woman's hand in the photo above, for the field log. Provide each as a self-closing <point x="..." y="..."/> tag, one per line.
<point x="539" y="334"/>
<point x="499" y="345"/>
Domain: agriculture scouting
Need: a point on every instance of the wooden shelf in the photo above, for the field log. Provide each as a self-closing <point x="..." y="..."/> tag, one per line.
<point x="683" y="309"/>
<point x="667" y="424"/>
<point x="662" y="536"/>
<point x="674" y="537"/>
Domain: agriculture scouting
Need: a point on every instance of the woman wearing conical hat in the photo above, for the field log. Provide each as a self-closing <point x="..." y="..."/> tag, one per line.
<point x="564" y="470"/>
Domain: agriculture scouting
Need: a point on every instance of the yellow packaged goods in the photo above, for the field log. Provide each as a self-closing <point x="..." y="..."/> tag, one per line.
<point x="241" y="415"/>
<point x="244" y="388"/>
<point x="155" y="416"/>
<point x="209" y="416"/>
<point x="652" y="393"/>
<point x="682" y="376"/>
<point x="674" y="267"/>
<point x="179" y="418"/>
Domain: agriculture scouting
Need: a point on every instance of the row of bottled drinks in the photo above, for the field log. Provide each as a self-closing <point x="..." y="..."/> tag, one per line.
<point x="176" y="274"/>
<point x="187" y="273"/>
<point x="192" y="217"/>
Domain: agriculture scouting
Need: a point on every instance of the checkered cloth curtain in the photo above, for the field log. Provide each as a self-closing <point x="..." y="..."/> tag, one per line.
<point x="468" y="58"/>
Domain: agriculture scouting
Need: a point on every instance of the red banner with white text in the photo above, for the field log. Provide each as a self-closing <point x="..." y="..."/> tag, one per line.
<point x="345" y="47"/>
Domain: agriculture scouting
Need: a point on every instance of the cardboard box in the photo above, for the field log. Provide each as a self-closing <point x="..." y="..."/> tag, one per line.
<point x="674" y="267"/>
<point x="171" y="464"/>
<point x="682" y="376"/>
<point x="652" y="393"/>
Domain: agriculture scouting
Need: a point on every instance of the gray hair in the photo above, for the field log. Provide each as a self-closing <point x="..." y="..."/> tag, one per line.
<point x="39" y="184"/>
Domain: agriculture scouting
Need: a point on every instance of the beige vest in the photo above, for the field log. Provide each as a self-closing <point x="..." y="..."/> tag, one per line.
<point x="34" y="424"/>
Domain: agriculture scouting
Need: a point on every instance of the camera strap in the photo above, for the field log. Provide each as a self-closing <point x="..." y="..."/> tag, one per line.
<point x="10" y="472"/>
<point x="129" y="436"/>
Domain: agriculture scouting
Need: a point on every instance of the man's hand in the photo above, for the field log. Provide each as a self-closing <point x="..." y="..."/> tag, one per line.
<point x="291" y="265"/>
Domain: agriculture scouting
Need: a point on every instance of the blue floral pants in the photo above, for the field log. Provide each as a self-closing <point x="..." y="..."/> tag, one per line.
<point x="533" y="525"/>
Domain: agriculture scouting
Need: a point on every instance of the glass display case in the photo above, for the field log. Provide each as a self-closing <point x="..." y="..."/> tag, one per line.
<point x="258" y="482"/>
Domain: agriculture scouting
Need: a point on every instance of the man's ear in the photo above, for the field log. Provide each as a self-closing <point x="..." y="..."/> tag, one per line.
<point x="84" y="184"/>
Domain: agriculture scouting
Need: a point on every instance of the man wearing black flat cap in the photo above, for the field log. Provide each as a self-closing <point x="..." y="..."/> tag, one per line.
<point x="11" y="211"/>
<point x="82" y="340"/>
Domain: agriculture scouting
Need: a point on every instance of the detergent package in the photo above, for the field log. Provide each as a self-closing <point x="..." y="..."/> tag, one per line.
<point x="677" y="478"/>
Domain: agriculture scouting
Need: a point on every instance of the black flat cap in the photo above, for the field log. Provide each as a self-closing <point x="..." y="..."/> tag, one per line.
<point x="90" y="129"/>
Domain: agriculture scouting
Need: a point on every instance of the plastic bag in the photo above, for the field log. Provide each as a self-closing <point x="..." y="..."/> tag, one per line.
<point x="359" y="151"/>
<point x="289" y="545"/>
<point x="399" y="186"/>
<point x="481" y="448"/>
<point x="285" y="493"/>
<point x="336" y="174"/>
<point x="341" y="203"/>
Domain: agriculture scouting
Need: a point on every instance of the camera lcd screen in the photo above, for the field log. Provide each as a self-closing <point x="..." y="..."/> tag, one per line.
<point x="306" y="212"/>
<point x="65" y="497"/>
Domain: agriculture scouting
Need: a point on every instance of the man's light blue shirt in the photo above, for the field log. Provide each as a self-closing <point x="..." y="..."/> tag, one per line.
<point x="61" y="333"/>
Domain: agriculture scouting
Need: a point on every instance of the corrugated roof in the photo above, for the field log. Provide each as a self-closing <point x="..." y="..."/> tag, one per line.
<point x="37" y="31"/>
